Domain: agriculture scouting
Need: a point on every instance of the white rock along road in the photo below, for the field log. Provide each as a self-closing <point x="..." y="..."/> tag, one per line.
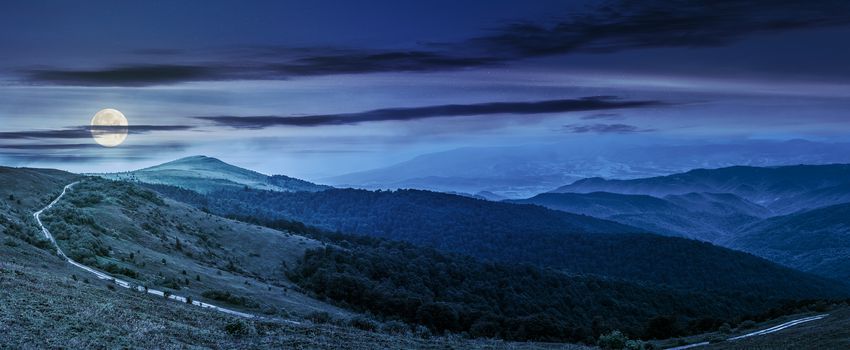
<point x="122" y="283"/>
<point x="761" y="332"/>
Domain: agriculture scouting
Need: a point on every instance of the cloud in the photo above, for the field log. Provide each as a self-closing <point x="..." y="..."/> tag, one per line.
<point x="171" y="146"/>
<point x="603" y="128"/>
<point x="613" y="26"/>
<point x="66" y="158"/>
<point x="81" y="132"/>
<point x="123" y="76"/>
<point x="606" y="116"/>
<point x="269" y="68"/>
<point x="626" y="25"/>
<point x="415" y="113"/>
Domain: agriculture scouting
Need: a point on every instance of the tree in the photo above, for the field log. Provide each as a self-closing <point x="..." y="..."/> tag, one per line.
<point x="615" y="340"/>
<point x="662" y="327"/>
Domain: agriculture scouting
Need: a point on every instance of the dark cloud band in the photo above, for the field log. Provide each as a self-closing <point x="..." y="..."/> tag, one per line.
<point x="604" y="129"/>
<point x="86" y="131"/>
<point x="616" y="26"/>
<point x="415" y="113"/>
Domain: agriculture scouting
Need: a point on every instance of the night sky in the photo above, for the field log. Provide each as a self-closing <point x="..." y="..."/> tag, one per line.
<point x="321" y="88"/>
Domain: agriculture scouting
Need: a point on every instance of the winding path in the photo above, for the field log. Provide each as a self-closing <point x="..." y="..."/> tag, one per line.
<point x="119" y="282"/>
<point x="761" y="332"/>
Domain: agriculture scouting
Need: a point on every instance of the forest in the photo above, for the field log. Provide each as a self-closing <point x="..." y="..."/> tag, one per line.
<point x="514" y="234"/>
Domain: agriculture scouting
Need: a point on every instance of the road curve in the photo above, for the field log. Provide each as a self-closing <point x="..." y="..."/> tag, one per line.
<point x="773" y="329"/>
<point x="119" y="282"/>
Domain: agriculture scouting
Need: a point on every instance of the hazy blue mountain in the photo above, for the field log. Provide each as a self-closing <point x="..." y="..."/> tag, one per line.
<point x="817" y="241"/>
<point x="600" y="204"/>
<point x="523" y="171"/>
<point x="205" y="174"/>
<point x="815" y="199"/>
<point x="771" y="187"/>
<point x="718" y="204"/>
<point x="703" y="216"/>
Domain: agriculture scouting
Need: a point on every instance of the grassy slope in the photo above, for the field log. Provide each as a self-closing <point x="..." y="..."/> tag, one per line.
<point x="205" y="174"/>
<point x="101" y="223"/>
<point x="43" y="306"/>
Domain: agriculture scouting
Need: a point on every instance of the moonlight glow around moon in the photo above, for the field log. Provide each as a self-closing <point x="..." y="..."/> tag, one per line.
<point x="109" y="127"/>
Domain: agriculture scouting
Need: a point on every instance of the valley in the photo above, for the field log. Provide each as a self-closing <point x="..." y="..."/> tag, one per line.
<point x="305" y="258"/>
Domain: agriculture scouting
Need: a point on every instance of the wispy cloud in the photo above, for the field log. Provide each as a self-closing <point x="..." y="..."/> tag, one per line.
<point x="168" y="146"/>
<point x="615" y="26"/>
<point x="604" y="128"/>
<point x="605" y="116"/>
<point x="415" y="113"/>
<point x="86" y="131"/>
<point x="625" y="25"/>
<point x="143" y="75"/>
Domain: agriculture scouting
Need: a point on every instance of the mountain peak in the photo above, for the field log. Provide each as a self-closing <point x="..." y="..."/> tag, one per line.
<point x="198" y="159"/>
<point x="206" y="174"/>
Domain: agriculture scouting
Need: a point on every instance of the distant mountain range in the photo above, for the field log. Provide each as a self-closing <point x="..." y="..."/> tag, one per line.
<point x="782" y="190"/>
<point x="204" y="174"/>
<point x="518" y="172"/>
<point x="793" y="215"/>
<point x="703" y="216"/>
<point x="513" y="233"/>
<point x="734" y="207"/>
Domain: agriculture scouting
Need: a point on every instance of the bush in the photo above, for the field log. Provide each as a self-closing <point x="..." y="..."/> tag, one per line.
<point x="748" y="324"/>
<point x="238" y="328"/>
<point x="637" y="345"/>
<point x="395" y="327"/>
<point x="226" y="297"/>
<point x="615" y="340"/>
<point x="422" y="332"/>
<point x="319" y="317"/>
<point x="363" y="323"/>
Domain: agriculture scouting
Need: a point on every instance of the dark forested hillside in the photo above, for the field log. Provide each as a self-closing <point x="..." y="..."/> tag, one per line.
<point x="452" y="293"/>
<point x="502" y="232"/>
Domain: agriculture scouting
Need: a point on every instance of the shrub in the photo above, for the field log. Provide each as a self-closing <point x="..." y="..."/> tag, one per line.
<point x="422" y="332"/>
<point x="615" y="340"/>
<point x="363" y="323"/>
<point x="395" y="327"/>
<point x="747" y="324"/>
<point x="238" y="328"/>
<point x="230" y="298"/>
<point x="319" y="317"/>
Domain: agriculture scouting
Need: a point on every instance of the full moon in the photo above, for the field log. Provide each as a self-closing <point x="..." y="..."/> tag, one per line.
<point x="109" y="127"/>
